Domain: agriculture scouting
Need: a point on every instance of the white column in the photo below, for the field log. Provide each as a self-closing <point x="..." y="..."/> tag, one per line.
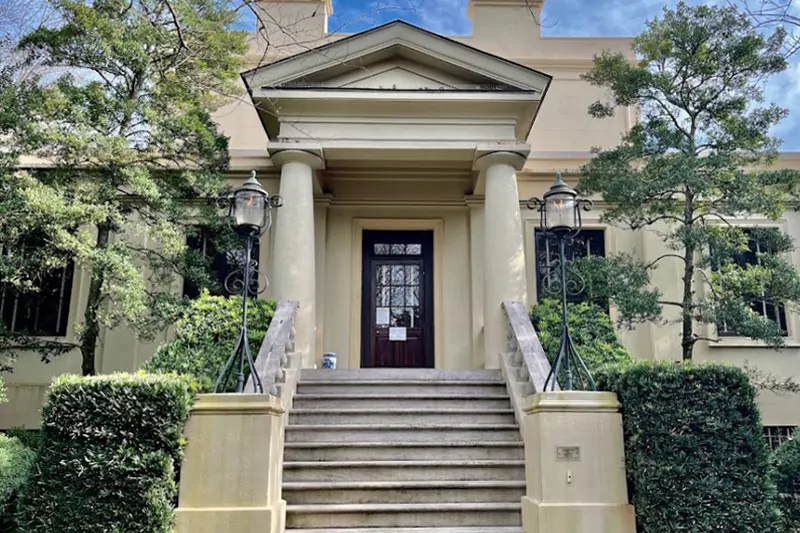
<point x="504" y="253"/>
<point x="294" y="262"/>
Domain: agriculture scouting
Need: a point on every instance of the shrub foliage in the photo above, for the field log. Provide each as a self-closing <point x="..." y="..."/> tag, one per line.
<point x="696" y="457"/>
<point x="590" y="328"/>
<point x="206" y="334"/>
<point x="16" y="460"/>
<point x="786" y="463"/>
<point x="110" y="446"/>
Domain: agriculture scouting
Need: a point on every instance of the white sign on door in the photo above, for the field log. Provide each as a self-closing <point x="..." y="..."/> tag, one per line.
<point x="383" y="317"/>
<point x="397" y="334"/>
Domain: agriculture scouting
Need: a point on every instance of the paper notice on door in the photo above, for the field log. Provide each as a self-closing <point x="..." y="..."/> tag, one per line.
<point x="383" y="316"/>
<point x="397" y="334"/>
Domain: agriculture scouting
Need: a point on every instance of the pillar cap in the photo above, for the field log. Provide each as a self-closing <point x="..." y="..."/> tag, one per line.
<point x="308" y="153"/>
<point x="250" y="404"/>
<point x="572" y="401"/>
<point x="490" y="154"/>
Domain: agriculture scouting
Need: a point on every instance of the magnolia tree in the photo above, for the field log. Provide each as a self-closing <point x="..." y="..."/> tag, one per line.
<point x="693" y="170"/>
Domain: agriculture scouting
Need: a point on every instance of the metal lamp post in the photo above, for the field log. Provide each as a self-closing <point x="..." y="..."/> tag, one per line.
<point x="250" y="212"/>
<point x="560" y="218"/>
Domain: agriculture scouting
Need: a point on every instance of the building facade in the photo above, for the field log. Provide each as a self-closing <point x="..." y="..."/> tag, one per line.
<point x="405" y="159"/>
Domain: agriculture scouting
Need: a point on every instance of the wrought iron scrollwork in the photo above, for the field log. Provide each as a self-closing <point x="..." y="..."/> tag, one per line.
<point x="234" y="281"/>
<point x="552" y="277"/>
<point x="568" y="368"/>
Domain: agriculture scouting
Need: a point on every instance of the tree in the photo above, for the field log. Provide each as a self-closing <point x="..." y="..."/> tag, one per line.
<point x="130" y="150"/>
<point x="697" y="161"/>
<point x="774" y="13"/>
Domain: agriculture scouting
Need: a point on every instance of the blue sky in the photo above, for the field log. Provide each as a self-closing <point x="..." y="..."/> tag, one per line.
<point x="561" y="18"/>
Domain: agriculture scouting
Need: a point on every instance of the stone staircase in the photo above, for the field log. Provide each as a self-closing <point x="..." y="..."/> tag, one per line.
<point x="402" y="451"/>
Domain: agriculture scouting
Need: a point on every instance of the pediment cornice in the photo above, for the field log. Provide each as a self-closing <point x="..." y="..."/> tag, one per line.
<point x="475" y="69"/>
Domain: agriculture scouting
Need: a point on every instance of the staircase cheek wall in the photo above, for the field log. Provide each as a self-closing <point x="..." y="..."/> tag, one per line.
<point x="231" y="473"/>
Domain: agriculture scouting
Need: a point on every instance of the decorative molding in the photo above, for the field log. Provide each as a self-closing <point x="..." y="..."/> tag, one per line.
<point x="434" y="47"/>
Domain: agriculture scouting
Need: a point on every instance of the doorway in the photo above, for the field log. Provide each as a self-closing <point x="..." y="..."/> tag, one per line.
<point x="397" y="299"/>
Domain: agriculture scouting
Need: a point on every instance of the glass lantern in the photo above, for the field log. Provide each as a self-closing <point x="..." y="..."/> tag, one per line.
<point x="560" y="209"/>
<point x="250" y="208"/>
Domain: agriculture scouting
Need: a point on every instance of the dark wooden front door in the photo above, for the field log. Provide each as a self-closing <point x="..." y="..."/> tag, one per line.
<point x="397" y="306"/>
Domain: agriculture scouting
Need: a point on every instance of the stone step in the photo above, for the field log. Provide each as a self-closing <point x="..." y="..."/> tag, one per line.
<point x="401" y="387"/>
<point x="403" y="515"/>
<point x="402" y="451"/>
<point x="402" y="433"/>
<point x="402" y="401"/>
<point x="476" y="470"/>
<point x="481" y="529"/>
<point x="401" y="416"/>
<point x="394" y="374"/>
<point x="397" y="492"/>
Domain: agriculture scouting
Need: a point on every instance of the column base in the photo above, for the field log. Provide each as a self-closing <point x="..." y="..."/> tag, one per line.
<point x="538" y="517"/>
<point x="232" y="520"/>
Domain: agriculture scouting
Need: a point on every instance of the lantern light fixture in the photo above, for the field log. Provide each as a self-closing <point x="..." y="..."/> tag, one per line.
<point x="560" y="220"/>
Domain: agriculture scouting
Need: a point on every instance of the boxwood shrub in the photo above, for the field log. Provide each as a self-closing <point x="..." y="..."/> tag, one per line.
<point x="110" y="446"/>
<point x="16" y="461"/>
<point x="696" y="457"/>
<point x="591" y="330"/>
<point x="205" y="336"/>
<point x="786" y="462"/>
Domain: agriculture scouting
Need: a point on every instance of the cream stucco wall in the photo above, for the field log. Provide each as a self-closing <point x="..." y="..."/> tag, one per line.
<point x="424" y="192"/>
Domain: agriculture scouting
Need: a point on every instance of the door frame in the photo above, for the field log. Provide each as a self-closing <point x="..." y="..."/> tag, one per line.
<point x="388" y="224"/>
<point x="428" y="295"/>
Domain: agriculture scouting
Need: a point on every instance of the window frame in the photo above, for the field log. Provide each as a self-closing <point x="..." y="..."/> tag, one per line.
<point x="737" y="341"/>
<point x="777" y="435"/>
<point x="69" y="280"/>
<point x="781" y="311"/>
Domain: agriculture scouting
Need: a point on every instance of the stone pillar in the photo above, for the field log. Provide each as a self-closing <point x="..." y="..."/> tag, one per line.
<point x="504" y="252"/>
<point x="232" y="470"/>
<point x="575" y="465"/>
<point x="294" y="259"/>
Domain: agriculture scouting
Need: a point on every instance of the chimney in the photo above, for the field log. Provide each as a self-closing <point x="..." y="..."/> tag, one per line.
<point x="506" y="27"/>
<point x="291" y="26"/>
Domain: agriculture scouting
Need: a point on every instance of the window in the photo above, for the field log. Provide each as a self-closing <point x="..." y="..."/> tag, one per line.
<point x="44" y="312"/>
<point x="777" y="435"/>
<point x="587" y="243"/>
<point x="222" y="263"/>
<point x="398" y="249"/>
<point x="758" y="302"/>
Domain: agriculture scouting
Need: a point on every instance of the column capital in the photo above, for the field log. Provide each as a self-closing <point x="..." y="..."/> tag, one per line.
<point x="493" y="154"/>
<point x="309" y="153"/>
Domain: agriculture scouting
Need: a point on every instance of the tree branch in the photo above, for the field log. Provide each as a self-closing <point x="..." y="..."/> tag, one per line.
<point x="664" y="256"/>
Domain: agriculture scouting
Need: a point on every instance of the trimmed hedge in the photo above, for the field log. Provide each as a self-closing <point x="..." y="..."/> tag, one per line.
<point x="110" y="448"/>
<point x="206" y="334"/>
<point x="590" y="328"/>
<point x="696" y="457"/>
<point x="786" y="463"/>
<point x="16" y="461"/>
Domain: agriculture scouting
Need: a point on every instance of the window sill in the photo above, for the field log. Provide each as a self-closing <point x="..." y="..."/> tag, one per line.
<point x="743" y="342"/>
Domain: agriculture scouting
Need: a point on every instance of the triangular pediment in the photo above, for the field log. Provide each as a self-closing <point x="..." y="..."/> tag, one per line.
<point x="397" y="56"/>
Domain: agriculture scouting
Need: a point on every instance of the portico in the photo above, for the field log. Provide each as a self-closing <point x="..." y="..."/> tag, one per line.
<point x="399" y="130"/>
